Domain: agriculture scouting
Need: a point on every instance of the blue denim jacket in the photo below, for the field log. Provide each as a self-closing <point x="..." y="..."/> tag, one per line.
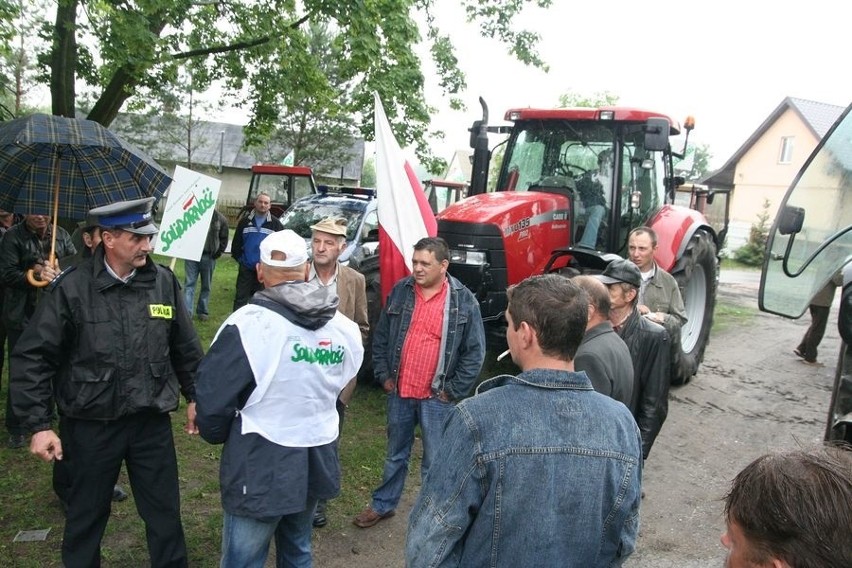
<point x="462" y="340"/>
<point x="540" y="470"/>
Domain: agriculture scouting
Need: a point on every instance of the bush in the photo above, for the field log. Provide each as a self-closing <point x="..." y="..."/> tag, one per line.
<point x="754" y="251"/>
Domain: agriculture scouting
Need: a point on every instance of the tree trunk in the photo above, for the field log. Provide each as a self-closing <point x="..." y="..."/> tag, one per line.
<point x="119" y="89"/>
<point x="63" y="60"/>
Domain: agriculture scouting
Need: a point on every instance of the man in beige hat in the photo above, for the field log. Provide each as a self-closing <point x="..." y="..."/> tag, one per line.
<point x="328" y="240"/>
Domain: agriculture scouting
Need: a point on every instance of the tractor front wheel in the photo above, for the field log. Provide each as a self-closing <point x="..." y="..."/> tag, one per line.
<point x="697" y="280"/>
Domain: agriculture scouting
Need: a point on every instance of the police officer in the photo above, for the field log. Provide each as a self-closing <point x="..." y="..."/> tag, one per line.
<point x="113" y="342"/>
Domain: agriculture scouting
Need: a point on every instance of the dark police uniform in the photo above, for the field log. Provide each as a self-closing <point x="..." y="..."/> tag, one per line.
<point x="114" y="354"/>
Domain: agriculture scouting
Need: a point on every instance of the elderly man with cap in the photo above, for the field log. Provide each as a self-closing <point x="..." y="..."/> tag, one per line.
<point x="267" y="389"/>
<point x="328" y="240"/>
<point x="649" y="348"/>
<point x="113" y="343"/>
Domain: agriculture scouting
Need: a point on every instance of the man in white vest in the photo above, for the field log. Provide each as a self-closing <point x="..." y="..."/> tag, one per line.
<point x="267" y="389"/>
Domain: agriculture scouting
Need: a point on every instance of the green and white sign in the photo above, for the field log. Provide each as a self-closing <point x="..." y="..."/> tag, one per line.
<point x="186" y="218"/>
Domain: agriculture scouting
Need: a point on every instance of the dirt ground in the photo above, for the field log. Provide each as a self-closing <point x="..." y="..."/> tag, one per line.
<point x="751" y="396"/>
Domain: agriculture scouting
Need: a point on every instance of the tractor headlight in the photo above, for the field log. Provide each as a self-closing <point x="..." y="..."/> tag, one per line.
<point x="467" y="257"/>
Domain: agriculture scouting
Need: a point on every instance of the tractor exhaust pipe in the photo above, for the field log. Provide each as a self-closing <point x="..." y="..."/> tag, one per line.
<point x="481" y="154"/>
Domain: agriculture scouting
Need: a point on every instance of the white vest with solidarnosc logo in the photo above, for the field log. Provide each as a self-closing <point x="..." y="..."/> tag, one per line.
<point x="299" y="374"/>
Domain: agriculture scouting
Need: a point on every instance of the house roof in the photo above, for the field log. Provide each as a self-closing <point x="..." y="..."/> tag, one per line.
<point x="817" y="116"/>
<point x="215" y="144"/>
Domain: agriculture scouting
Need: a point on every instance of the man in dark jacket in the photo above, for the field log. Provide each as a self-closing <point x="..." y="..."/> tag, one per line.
<point x="214" y="246"/>
<point x="602" y="354"/>
<point x="267" y="389"/>
<point x="113" y="343"/>
<point x="7" y="221"/>
<point x="250" y="232"/>
<point x="649" y="347"/>
<point x="26" y="246"/>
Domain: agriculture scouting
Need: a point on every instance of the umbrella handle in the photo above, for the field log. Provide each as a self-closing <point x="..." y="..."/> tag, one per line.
<point x="31" y="279"/>
<point x="36" y="283"/>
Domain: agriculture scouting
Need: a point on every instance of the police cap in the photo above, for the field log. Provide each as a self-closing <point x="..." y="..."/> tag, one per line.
<point x="133" y="216"/>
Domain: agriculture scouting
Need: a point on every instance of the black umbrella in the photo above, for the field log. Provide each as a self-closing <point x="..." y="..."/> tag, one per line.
<point x="51" y="165"/>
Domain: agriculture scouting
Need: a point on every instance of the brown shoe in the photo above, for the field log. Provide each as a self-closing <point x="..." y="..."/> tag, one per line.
<point x="368" y="517"/>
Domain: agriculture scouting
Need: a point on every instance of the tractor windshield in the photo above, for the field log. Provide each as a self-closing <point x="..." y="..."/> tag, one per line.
<point x="602" y="165"/>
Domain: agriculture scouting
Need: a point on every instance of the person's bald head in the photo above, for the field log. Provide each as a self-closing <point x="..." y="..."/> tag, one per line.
<point x="599" y="304"/>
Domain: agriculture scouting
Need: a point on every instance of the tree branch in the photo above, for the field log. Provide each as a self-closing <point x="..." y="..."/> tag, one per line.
<point x="235" y="46"/>
<point x="221" y="48"/>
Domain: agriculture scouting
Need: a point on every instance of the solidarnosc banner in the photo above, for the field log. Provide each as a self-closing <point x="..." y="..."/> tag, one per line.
<point x="186" y="218"/>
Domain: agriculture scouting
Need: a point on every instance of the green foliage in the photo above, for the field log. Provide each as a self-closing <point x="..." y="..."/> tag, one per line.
<point x="497" y="155"/>
<point x="173" y="116"/>
<point x="754" y="251"/>
<point x="696" y="164"/>
<point x="261" y="51"/>
<point x="315" y="122"/>
<point x="573" y="99"/>
<point x="18" y="27"/>
<point x="368" y="172"/>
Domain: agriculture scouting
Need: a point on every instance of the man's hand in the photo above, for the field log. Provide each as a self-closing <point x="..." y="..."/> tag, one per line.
<point x="46" y="445"/>
<point x="388" y="386"/>
<point x="190" y="427"/>
<point x="49" y="272"/>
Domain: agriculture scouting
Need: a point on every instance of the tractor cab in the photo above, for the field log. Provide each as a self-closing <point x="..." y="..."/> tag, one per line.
<point x="603" y="160"/>
<point x="283" y="184"/>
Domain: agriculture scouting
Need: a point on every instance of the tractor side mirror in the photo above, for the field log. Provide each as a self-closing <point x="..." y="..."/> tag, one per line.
<point x="791" y="220"/>
<point x="656" y="134"/>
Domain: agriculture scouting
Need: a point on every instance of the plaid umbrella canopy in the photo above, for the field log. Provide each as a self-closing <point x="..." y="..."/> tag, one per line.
<point x="51" y="165"/>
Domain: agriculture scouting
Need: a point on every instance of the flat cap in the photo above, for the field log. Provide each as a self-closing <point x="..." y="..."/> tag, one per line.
<point x="133" y="216"/>
<point x="621" y="270"/>
<point x="332" y="226"/>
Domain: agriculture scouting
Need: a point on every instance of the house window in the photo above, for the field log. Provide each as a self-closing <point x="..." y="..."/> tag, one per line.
<point x="786" y="155"/>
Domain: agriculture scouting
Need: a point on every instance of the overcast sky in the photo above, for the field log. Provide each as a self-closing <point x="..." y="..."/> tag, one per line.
<point x="728" y="63"/>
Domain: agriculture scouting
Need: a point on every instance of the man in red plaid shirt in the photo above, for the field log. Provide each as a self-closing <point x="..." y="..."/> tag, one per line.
<point x="428" y="349"/>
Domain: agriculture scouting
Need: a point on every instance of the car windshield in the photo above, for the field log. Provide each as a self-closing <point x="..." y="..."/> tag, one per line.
<point x="799" y="265"/>
<point x="305" y="213"/>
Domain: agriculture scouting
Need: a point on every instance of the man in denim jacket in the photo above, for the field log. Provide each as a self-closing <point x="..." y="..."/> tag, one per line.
<point x="428" y="349"/>
<point x="538" y="469"/>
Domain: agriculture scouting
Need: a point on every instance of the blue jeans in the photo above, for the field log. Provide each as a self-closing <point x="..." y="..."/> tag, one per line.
<point x="403" y="415"/>
<point x="594" y="214"/>
<point x="245" y="541"/>
<point x="203" y="268"/>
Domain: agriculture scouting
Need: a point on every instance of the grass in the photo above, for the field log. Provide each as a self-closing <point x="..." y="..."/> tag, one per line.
<point x="727" y="315"/>
<point x="29" y="502"/>
<point x="731" y="264"/>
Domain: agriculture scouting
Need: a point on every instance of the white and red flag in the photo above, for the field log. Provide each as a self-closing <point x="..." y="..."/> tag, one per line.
<point x="404" y="213"/>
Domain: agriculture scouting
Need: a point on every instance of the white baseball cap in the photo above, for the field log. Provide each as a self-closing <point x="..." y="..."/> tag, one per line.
<point x="288" y="243"/>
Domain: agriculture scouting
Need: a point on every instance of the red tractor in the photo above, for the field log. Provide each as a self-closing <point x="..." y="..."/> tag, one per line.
<point x="572" y="185"/>
<point x="283" y="184"/>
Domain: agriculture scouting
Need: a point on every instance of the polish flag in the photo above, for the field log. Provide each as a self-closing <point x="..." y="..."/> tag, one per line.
<point x="404" y="213"/>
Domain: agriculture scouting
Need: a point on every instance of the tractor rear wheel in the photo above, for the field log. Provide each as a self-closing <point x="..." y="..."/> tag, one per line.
<point x="697" y="280"/>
